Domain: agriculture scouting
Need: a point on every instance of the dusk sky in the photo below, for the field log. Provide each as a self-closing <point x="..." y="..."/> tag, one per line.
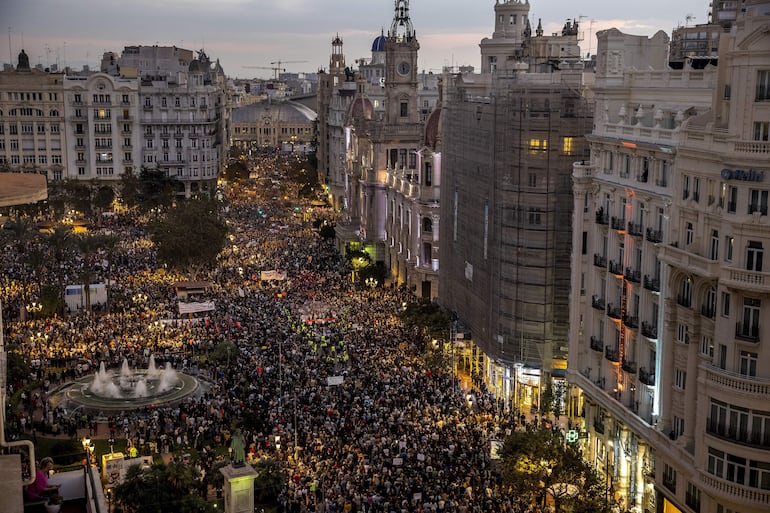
<point x="257" y="32"/>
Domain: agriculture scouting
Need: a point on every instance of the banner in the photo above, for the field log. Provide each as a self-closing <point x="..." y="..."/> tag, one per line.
<point x="186" y="308"/>
<point x="275" y="275"/>
<point x="334" y="380"/>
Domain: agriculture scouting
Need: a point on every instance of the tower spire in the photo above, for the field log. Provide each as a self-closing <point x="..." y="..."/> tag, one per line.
<point x="401" y="28"/>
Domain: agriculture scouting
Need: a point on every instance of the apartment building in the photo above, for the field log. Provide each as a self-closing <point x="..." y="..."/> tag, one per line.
<point x="32" y="120"/>
<point x="669" y="295"/>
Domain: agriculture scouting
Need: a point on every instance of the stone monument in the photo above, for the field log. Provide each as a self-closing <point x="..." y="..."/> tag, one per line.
<point x="239" y="488"/>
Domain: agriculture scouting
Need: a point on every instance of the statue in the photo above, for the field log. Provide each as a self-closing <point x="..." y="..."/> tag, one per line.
<point x="238" y="446"/>
<point x="23" y="61"/>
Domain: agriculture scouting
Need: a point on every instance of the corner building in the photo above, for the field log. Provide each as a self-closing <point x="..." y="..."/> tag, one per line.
<point x="668" y="345"/>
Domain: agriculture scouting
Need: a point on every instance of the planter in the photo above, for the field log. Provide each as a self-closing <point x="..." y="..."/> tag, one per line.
<point x="52" y="508"/>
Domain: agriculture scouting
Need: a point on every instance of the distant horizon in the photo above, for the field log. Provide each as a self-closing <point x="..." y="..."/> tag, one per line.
<point x="298" y="33"/>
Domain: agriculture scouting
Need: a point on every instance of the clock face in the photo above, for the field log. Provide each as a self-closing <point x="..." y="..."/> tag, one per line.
<point x="403" y="68"/>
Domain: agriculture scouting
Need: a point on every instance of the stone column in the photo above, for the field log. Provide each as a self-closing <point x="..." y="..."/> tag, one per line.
<point x="239" y="488"/>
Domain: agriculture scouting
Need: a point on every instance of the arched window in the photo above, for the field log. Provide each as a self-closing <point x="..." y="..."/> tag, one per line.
<point x="427" y="225"/>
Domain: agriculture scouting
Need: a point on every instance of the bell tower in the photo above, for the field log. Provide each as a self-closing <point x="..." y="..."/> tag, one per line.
<point x="401" y="49"/>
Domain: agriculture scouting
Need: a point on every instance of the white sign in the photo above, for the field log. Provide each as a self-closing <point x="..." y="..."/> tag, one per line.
<point x="185" y="308"/>
<point x="335" y="380"/>
<point x="272" y="275"/>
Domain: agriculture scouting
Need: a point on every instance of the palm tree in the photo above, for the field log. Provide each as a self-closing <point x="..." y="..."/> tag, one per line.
<point x="23" y="232"/>
<point x="108" y="242"/>
<point x="59" y="240"/>
<point x="87" y="245"/>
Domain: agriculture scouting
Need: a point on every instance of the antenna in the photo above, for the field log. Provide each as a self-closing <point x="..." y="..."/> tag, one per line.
<point x="688" y="19"/>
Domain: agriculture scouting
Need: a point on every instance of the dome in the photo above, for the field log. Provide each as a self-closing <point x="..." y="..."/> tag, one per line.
<point x="195" y="66"/>
<point x="361" y="108"/>
<point x="378" y="45"/>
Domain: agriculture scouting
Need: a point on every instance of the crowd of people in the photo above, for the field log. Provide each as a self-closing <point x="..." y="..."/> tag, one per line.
<point x="325" y="379"/>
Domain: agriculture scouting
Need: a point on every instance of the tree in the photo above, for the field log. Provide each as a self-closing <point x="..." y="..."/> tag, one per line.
<point x="537" y="465"/>
<point x="236" y="171"/>
<point x="271" y="478"/>
<point x="190" y="236"/>
<point x="160" y="488"/>
<point x="427" y="316"/>
<point x="156" y="190"/>
<point x="87" y="245"/>
<point x="128" y="190"/>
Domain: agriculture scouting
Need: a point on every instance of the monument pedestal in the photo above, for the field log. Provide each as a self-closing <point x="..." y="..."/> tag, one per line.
<point x="239" y="488"/>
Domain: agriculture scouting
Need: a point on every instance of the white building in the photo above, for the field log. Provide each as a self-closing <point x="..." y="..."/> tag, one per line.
<point x="667" y="345"/>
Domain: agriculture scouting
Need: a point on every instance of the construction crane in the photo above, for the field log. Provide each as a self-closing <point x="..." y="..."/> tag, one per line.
<point x="276" y="66"/>
<point x="272" y="68"/>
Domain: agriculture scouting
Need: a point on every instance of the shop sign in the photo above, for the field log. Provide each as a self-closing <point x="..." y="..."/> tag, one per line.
<point x="746" y="175"/>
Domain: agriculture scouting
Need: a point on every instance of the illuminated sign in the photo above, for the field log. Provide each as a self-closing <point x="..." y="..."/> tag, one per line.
<point x="747" y="175"/>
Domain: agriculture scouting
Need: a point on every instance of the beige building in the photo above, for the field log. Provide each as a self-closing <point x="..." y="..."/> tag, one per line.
<point x="32" y="120"/>
<point x="669" y="292"/>
<point x="272" y="124"/>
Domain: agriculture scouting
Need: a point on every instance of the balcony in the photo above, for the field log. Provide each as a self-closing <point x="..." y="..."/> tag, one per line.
<point x="684" y="300"/>
<point x="599" y="426"/>
<point x="600" y="261"/>
<point x="633" y="275"/>
<point x="730" y="433"/>
<point x="615" y="268"/>
<point x="689" y="261"/>
<point x="708" y="311"/>
<point x="647" y="377"/>
<point x="649" y="330"/>
<point x="597" y="344"/>
<point x="611" y="354"/>
<point x="598" y="302"/>
<point x="613" y="311"/>
<point x="651" y="283"/>
<point x="747" y="332"/>
<point x="655" y="236"/>
<point x="750" y="387"/>
<point x="635" y="229"/>
<point x="602" y="218"/>
<point x="631" y="322"/>
<point x="618" y="223"/>
<point x="147" y="107"/>
<point x="628" y="366"/>
<point x="750" y="281"/>
<point x="735" y="492"/>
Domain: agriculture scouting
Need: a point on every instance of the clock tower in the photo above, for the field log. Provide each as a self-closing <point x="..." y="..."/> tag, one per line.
<point x="401" y="49"/>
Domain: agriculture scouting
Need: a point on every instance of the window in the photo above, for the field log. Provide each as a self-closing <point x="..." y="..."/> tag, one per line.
<point x="748" y="363"/>
<point x="735" y="469"/>
<point x="680" y="378"/>
<point x="532" y="179"/>
<point x="754" y="256"/>
<point x="534" y="215"/>
<point x="714" y="249"/>
<point x="761" y="130"/>
<point x="689" y="234"/>
<point x="707" y="346"/>
<point x="404" y="109"/>
<point x="685" y="187"/>
<point x="716" y="462"/>
<point x="732" y="199"/>
<point x="669" y="477"/>
<point x="759" y="475"/>
<point x="749" y="326"/>
<point x="758" y="201"/>
<point x="729" y="244"/>
<point x="678" y="426"/>
<point x="726" y="304"/>
<point x="763" y="86"/>
<point x="512" y="19"/>
<point x="692" y="497"/>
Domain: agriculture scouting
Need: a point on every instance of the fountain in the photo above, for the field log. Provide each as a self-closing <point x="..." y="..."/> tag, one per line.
<point x="131" y="388"/>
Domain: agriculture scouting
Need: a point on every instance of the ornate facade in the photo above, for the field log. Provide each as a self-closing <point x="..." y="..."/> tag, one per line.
<point x="669" y="294"/>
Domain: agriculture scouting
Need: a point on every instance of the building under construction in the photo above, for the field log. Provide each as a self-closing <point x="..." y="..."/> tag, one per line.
<point x="511" y="135"/>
